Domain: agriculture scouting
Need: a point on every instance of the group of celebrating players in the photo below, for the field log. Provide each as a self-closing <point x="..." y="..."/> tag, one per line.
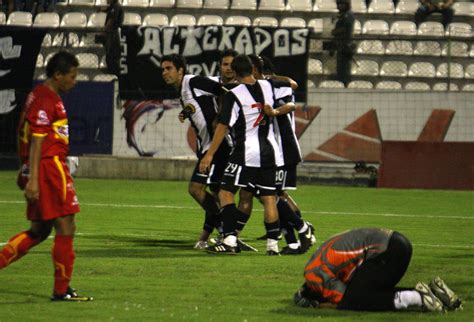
<point x="244" y="123"/>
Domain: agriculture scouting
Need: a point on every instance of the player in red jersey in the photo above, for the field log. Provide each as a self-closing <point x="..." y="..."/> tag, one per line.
<point x="44" y="175"/>
<point x="359" y="270"/>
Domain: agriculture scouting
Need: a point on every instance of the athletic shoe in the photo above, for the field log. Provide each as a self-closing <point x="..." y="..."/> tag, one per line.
<point x="70" y="296"/>
<point x="221" y="248"/>
<point x="245" y="247"/>
<point x="450" y="300"/>
<point x="273" y="253"/>
<point x="290" y="251"/>
<point x="313" y="237"/>
<point x="305" y="240"/>
<point x="200" y="244"/>
<point x="429" y="301"/>
<point x="302" y="301"/>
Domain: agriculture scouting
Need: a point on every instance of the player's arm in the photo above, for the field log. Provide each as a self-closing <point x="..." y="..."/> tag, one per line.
<point x="293" y="84"/>
<point x="282" y="110"/>
<point x="32" y="187"/>
<point x="219" y="134"/>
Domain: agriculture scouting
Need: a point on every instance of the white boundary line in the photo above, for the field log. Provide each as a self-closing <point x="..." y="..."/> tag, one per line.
<point x="305" y="212"/>
<point x="150" y="235"/>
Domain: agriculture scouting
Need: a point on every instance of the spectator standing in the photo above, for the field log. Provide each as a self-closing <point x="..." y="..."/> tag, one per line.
<point x="113" y="22"/>
<point x="342" y="34"/>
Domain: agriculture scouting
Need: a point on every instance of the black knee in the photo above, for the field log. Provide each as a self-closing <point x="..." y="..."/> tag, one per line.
<point x="40" y="234"/>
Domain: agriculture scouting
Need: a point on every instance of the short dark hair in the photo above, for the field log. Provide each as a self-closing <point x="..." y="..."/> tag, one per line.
<point x="228" y="52"/>
<point x="257" y="62"/>
<point x="242" y="65"/>
<point x="268" y="67"/>
<point x="61" y="62"/>
<point x="178" y="61"/>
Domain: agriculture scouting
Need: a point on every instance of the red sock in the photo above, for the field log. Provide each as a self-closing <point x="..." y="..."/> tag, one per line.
<point x="63" y="259"/>
<point x="16" y="248"/>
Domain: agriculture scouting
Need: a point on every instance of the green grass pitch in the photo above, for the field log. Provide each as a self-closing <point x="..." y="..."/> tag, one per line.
<point x="134" y="255"/>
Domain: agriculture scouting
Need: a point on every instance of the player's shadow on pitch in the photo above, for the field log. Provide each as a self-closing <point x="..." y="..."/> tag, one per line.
<point x="30" y="298"/>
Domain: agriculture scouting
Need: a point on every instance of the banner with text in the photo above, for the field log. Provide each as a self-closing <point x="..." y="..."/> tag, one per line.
<point x="19" y="48"/>
<point x="143" y="47"/>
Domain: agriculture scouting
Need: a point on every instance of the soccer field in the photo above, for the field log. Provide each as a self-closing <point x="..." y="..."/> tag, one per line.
<point x="134" y="254"/>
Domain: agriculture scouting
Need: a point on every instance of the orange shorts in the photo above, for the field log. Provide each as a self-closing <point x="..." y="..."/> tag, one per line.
<point x="57" y="196"/>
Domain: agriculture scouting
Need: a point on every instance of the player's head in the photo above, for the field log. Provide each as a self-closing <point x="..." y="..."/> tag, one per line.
<point x="242" y="66"/>
<point x="227" y="56"/>
<point x="343" y="5"/>
<point x="61" y="71"/>
<point x="268" y="67"/>
<point x="173" y="69"/>
<point x="257" y="63"/>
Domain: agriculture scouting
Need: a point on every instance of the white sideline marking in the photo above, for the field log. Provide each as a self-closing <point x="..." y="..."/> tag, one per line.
<point x="149" y="235"/>
<point x="305" y="212"/>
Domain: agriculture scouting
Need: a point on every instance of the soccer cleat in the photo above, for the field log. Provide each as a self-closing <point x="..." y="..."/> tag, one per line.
<point x="290" y="251"/>
<point x="450" y="300"/>
<point x="200" y="244"/>
<point x="429" y="301"/>
<point x="302" y="301"/>
<point x="305" y="240"/>
<point x="313" y="237"/>
<point x="221" y="248"/>
<point x="245" y="247"/>
<point x="70" y="296"/>
<point x="272" y="252"/>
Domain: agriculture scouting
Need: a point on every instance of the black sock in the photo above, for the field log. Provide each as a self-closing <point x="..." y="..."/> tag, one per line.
<point x="229" y="219"/>
<point x="298" y="213"/>
<point x="286" y="214"/>
<point x="241" y="218"/>
<point x="273" y="229"/>
<point x="208" y="223"/>
<point x="289" y="234"/>
<point x="210" y="204"/>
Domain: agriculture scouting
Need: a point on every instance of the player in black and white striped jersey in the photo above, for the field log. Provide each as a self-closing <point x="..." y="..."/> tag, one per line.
<point x="198" y="99"/>
<point x="289" y="213"/>
<point x="246" y="110"/>
<point x="226" y="74"/>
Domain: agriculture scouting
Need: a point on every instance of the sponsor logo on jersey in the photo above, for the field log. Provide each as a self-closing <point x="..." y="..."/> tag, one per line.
<point x="42" y="118"/>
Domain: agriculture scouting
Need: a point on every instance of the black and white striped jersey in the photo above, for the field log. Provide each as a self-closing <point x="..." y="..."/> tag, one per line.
<point x="285" y="125"/>
<point x="255" y="144"/>
<point x="198" y="94"/>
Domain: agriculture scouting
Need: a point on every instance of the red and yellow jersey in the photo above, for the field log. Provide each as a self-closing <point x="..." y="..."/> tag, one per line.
<point x="332" y="266"/>
<point x="44" y="116"/>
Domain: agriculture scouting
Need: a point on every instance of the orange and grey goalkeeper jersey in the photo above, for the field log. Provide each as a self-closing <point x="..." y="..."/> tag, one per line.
<point x="332" y="266"/>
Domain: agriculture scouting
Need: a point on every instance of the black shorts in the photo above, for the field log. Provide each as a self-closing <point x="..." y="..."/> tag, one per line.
<point x="285" y="178"/>
<point x="216" y="170"/>
<point x="250" y="178"/>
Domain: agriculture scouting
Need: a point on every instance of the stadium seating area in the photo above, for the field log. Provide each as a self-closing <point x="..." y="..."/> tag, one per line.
<point x="392" y="53"/>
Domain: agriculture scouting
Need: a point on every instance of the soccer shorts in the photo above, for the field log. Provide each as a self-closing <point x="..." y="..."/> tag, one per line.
<point x="216" y="169"/>
<point x="285" y="178"/>
<point x="249" y="178"/>
<point x="57" y="197"/>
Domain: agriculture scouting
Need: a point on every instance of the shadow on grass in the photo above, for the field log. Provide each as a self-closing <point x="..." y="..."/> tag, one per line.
<point x="29" y="297"/>
<point x="140" y="241"/>
<point x="289" y="309"/>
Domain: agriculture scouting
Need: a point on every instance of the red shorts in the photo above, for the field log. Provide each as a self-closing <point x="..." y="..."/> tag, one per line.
<point x="57" y="197"/>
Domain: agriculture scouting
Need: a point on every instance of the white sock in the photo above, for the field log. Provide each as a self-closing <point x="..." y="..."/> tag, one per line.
<point x="294" y="245"/>
<point x="405" y="299"/>
<point x="304" y="228"/>
<point x="272" y="244"/>
<point x="231" y="240"/>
